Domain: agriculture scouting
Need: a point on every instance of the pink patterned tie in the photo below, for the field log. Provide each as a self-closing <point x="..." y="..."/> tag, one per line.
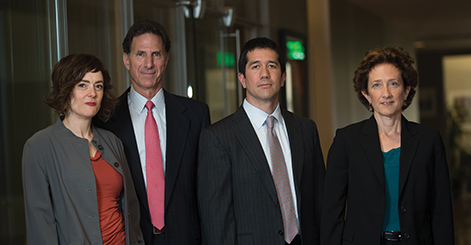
<point x="154" y="170"/>
<point x="280" y="177"/>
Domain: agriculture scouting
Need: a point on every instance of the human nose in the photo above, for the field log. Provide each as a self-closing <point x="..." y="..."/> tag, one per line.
<point x="92" y="91"/>
<point x="149" y="61"/>
<point x="386" y="92"/>
<point x="264" y="72"/>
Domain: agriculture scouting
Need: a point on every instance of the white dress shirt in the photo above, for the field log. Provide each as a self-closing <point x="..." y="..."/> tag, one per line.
<point x="258" y="117"/>
<point x="138" y="112"/>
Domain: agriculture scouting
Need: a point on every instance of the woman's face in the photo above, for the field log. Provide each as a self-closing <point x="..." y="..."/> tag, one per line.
<point x="86" y="97"/>
<point x="385" y="90"/>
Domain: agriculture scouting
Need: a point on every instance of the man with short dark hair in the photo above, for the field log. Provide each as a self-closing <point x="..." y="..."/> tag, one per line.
<point x="160" y="133"/>
<point x="260" y="170"/>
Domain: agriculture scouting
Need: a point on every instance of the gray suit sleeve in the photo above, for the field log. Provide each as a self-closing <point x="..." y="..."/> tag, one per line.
<point x="214" y="188"/>
<point x="40" y="221"/>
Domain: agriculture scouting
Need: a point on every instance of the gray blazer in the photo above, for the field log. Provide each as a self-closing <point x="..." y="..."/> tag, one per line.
<point x="60" y="191"/>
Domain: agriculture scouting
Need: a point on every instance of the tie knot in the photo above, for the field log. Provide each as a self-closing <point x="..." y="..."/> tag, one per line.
<point x="149" y="105"/>
<point x="270" y="120"/>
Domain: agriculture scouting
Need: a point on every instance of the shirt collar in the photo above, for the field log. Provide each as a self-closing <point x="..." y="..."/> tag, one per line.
<point x="139" y="102"/>
<point x="258" y="117"/>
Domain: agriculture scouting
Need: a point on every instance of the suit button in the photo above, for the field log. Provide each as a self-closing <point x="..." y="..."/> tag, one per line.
<point x="281" y="232"/>
<point x="116" y="164"/>
<point x="100" y="147"/>
<point x="406" y="235"/>
<point x="94" y="141"/>
<point x="403" y="209"/>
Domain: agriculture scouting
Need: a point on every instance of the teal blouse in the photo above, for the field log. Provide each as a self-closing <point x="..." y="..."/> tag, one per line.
<point x="391" y="176"/>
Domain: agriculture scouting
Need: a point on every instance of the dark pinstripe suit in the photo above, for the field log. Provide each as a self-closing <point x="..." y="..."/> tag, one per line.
<point x="236" y="194"/>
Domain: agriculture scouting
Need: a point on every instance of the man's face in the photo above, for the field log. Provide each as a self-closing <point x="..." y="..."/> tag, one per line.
<point x="263" y="77"/>
<point x="146" y="63"/>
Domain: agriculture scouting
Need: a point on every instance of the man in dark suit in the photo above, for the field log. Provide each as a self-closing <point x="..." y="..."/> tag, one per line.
<point x="260" y="170"/>
<point x="179" y="122"/>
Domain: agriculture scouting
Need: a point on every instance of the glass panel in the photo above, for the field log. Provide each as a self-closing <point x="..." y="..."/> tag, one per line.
<point x="94" y="28"/>
<point x="206" y="74"/>
<point x="246" y="9"/>
<point x="230" y="68"/>
<point x="25" y="67"/>
<point x="214" y="4"/>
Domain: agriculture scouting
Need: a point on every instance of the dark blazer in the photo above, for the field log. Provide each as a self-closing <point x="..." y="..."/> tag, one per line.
<point x="185" y="120"/>
<point x="355" y="174"/>
<point x="236" y="194"/>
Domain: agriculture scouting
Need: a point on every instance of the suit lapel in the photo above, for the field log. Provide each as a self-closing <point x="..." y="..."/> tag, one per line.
<point x="372" y="147"/>
<point x="409" y="147"/>
<point x="249" y="141"/>
<point x="296" y="144"/>
<point x="178" y="126"/>
<point x="120" y="124"/>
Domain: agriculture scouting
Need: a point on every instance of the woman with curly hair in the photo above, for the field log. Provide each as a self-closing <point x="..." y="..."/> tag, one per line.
<point x="387" y="178"/>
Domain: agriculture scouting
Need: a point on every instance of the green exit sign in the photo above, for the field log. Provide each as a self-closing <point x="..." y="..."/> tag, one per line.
<point x="295" y="50"/>
<point x="229" y="59"/>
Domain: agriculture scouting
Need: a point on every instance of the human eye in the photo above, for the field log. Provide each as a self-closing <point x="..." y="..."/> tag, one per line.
<point x="157" y="54"/>
<point x="140" y="54"/>
<point x="82" y="85"/>
<point x="394" y="84"/>
<point x="376" y="85"/>
<point x="99" y="86"/>
<point x="255" y="66"/>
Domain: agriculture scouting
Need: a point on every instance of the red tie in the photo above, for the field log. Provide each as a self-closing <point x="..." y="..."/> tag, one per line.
<point x="154" y="170"/>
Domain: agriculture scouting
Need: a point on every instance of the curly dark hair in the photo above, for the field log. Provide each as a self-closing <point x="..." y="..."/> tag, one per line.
<point x="260" y="43"/>
<point x="69" y="71"/>
<point x="143" y="27"/>
<point x="396" y="56"/>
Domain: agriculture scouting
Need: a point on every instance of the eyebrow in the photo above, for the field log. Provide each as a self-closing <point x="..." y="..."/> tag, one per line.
<point x="258" y="61"/>
<point x="391" y="79"/>
<point x="254" y="62"/>
<point x="152" y="52"/>
<point x="87" y="81"/>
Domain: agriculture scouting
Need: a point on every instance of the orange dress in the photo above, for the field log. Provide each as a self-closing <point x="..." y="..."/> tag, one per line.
<point x="109" y="185"/>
